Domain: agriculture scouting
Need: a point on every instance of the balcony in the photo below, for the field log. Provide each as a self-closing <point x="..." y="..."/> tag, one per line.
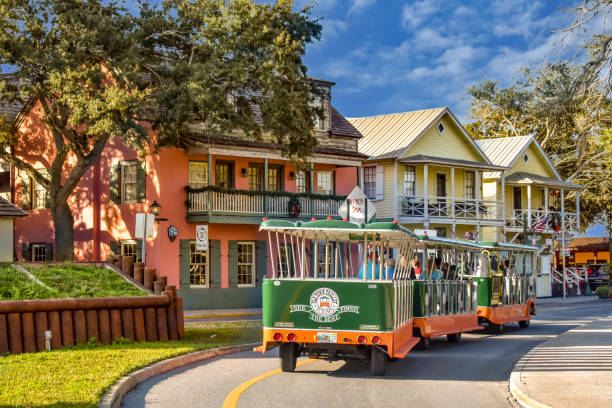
<point x="249" y="207"/>
<point x="450" y="210"/>
<point x="543" y="221"/>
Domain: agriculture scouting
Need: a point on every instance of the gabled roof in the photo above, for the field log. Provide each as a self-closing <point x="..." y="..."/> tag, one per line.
<point x="8" y="209"/>
<point x="504" y="151"/>
<point x="390" y="136"/>
<point x="589" y="243"/>
<point x="342" y="127"/>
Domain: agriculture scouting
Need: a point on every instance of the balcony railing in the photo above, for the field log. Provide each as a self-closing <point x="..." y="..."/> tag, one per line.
<point x="261" y="203"/>
<point x="462" y="209"/>
<point x="543" y="220"/>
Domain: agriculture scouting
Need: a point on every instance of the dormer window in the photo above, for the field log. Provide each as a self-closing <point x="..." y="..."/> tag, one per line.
<point x="440" y="128"/>
<point x="316" y="101"/>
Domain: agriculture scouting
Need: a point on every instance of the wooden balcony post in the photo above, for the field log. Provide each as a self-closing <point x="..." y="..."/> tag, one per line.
<point x="265" y="198"/>
<point x="546" y="195"/>
<point x="312" y="182"/>
<point x="453" y="196"/>
<point x="528" y="206"/>
<point x="425" y="197"/>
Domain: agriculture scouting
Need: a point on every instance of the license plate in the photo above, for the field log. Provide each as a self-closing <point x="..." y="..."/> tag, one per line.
<point x="327" y="337"/>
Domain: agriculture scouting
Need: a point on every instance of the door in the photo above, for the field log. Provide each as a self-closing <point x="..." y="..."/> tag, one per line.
<point x="440" y="210"/>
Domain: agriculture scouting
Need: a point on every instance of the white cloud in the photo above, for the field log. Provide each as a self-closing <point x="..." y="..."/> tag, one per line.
<point x="359" y="5"/>
<point x="333" y="27"/>
<point x="414" y="14"/>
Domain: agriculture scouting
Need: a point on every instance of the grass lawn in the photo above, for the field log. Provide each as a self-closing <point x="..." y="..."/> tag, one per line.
<point x="79" y="376"/>
<point x="77" y="281"/>
<point x="15" y="285"/>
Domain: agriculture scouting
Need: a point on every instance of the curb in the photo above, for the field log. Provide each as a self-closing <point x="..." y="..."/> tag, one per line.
<point x="113" y="397"/>
<point x="212" y="316"/>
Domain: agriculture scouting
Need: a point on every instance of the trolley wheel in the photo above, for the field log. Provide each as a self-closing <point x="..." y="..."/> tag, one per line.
<point x="453" y="338"/>
<point x="523" y="324"/>
<point x="378" y="361"/>
<point x="288" y="353"/>
<point x="497" y="328"/>
<point x="424" y="343"/>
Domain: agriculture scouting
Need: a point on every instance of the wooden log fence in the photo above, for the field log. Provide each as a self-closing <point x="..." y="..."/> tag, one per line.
<point x="23" y="323"/>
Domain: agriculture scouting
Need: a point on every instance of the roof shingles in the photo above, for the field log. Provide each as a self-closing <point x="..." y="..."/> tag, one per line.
<point x="8" y="209"/>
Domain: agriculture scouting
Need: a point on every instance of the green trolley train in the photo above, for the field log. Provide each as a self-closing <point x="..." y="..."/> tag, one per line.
<point x="337" y="290"/>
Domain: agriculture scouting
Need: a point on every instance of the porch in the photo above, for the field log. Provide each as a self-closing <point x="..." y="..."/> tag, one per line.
<point x="450" y="210"/>
<point x="251" y="206"/>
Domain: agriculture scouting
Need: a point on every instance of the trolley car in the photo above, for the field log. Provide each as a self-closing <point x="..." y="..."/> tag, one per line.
<point x="338" y="290"/>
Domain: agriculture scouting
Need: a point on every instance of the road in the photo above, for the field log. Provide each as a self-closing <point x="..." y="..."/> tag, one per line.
<point x="473" y="373"/>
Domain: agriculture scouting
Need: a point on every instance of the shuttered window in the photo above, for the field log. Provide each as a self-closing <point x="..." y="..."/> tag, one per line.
<point x="38" y="252"/>
<point x="369" y="182"/>
<point x="198" y="174"/>
<point x="198" y="267"/>
<point x="129" y="182"/>
<point x="246" y="263"/>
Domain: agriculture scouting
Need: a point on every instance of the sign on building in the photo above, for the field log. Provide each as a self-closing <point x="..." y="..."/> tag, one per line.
<point x="357" y="208"/>
<point x="145" y="226"/>
<point x="202" y="238"/>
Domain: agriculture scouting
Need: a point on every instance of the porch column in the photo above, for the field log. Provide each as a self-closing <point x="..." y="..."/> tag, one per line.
<point x="425" y="197"/>
<point x="563" y="239"/>
<point x="210" y="183"/>
<point x="453" y="198"/>
<point x="395" y="194"/>
<point x="310" y="201"/>
<point x="503" y="204"/>
<point x="546" y="195"/>
<point x="266" y="186"/>
<point x="477" y="194"/>
<point x="528" y="206"/>
<point x="577" y="210"/>
<point x="359" y="183"/>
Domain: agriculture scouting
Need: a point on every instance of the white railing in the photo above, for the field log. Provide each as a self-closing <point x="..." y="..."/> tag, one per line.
<point x="259" y="204"/>
<point x="573" y="276"/>
<point x="447" y="207"/>
<point x="542" y="220"/>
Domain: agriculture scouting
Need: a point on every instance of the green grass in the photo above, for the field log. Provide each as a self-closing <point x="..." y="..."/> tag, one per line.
<point x="77" y="281"/>
<point x="15" y="285"/>
<point x="79" y="376"/>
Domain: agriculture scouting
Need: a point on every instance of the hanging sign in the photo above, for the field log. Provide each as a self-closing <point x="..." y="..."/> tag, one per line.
<point x="357" y="208"/>
<point x="202" y="238"/>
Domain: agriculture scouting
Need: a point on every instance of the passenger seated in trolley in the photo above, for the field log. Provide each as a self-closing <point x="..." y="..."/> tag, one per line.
<point x="437" y="273"/>
<point x="369" y="267"/>
<point x="416" y="267"/>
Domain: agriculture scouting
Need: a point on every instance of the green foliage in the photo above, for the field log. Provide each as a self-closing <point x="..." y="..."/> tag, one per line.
<point x="76" y="281"/>
<point x="79" y="376"/>
<point x="15" y="285"/>
<point x="602" y="292"/>
<point x="253" y="193"/>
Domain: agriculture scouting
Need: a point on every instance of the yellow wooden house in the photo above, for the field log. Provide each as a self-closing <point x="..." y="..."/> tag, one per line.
<point x="424" y="170"/>
<point x="533" y="192"/>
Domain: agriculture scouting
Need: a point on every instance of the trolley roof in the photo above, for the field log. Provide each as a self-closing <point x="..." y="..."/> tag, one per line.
<point x="447" y="241"/>
<point x="507" y="246"/>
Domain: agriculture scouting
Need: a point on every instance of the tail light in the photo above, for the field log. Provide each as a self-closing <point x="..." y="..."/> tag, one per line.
<point x="375" y="340"/>
<point x="361" y="339"/>
<point x="291" y="337"/>
<point x="277" y="337"/>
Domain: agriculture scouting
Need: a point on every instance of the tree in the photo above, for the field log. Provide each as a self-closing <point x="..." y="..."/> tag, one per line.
<point x="99" y="72"/>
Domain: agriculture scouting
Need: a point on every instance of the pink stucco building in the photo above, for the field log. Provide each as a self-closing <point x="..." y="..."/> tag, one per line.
<point x="229" y="184"/>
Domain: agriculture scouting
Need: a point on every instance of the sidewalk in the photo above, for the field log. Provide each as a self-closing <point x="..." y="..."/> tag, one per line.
<point x="570" y="300"/>
<point x="573" y="370"/>
<point x="221" y="314"/>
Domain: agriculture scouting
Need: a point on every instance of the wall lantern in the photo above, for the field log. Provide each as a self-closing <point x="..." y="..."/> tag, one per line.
<point x="292" y="175"/>
<point x="243" y="171"/>
<point x="155" y="208"/>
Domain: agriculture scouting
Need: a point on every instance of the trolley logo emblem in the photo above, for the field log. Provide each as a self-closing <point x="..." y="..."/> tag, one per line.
<point x="324" y="306"/>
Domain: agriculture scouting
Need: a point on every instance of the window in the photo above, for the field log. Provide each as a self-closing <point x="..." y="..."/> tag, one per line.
<point x="317" y="102"/>
<point x="274" y="178"/>
<point x="198" y="174"/>
<point x="246" y="264"/>
<point x="224" y="174"/>
<point x="543" y="198"/>
<point x="469" y="185"/>
<point x="325" y="182"/>
<point x="302" y="184"/>
<point x="409" y="181"/>
<point x="525" y="158"/>
<point x="198" y="267"/>
<point x="369" y="182"/>
<point x="441" y="233"/>
<point x="38" y="253"/>
<point x="129" y="182"/>
<point x="285" y="260"/>
<point x="130" y="248"/>
<point x="255" y="177"/>
<point x="440" y="128"/>
<point x="40" y="196"/>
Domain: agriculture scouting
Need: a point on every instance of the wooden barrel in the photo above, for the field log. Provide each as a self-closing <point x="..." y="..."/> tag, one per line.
<point x="158" y="287"/>
<point x="149" y="278"/>
<point x="128" y="265"/>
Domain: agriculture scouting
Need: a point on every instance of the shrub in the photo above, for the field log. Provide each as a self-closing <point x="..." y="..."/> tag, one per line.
<point x="602" y="292"/>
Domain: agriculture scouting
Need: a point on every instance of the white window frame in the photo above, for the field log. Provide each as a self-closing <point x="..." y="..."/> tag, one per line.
<point x="197" y="177"/>
<point x="329" y="173"/>
<point x="301" y="175"/>
<point x="192" y="252"/>
<point x="36" y="248"/>
<point x="124" y="166"/>
<point x="124" y="243"/>
<point x="414" y="181"/>
<point x="39" y="193"/>
<point x="253" y="264"/>
<point x="465" y="184"/>
<point x="440" y="124"/>
<point x="372" y="191"/>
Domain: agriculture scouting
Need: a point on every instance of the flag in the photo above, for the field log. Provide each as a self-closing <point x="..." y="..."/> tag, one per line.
<point x="542" y="224"/>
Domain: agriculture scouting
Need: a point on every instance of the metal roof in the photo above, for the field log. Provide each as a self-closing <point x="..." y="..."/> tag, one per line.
<point x="385" y="134"/>
<point x="528" y="178"/>
<point x="504" y="151"/>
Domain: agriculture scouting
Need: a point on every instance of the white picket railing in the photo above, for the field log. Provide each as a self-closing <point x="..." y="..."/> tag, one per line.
<point x="448" y="207"/>
<point x="542" y="220"/>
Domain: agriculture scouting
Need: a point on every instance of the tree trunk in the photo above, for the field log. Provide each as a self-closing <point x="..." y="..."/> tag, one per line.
<point x="63" y="221"/>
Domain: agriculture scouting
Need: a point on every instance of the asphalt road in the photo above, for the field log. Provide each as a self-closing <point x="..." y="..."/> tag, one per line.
<point x="473" y="373"/>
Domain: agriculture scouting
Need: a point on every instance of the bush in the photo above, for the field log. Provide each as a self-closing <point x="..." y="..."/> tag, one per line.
<point x="602" y="292"/>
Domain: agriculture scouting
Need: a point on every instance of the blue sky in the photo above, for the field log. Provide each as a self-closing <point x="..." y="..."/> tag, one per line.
<point x="393" y="56"/>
